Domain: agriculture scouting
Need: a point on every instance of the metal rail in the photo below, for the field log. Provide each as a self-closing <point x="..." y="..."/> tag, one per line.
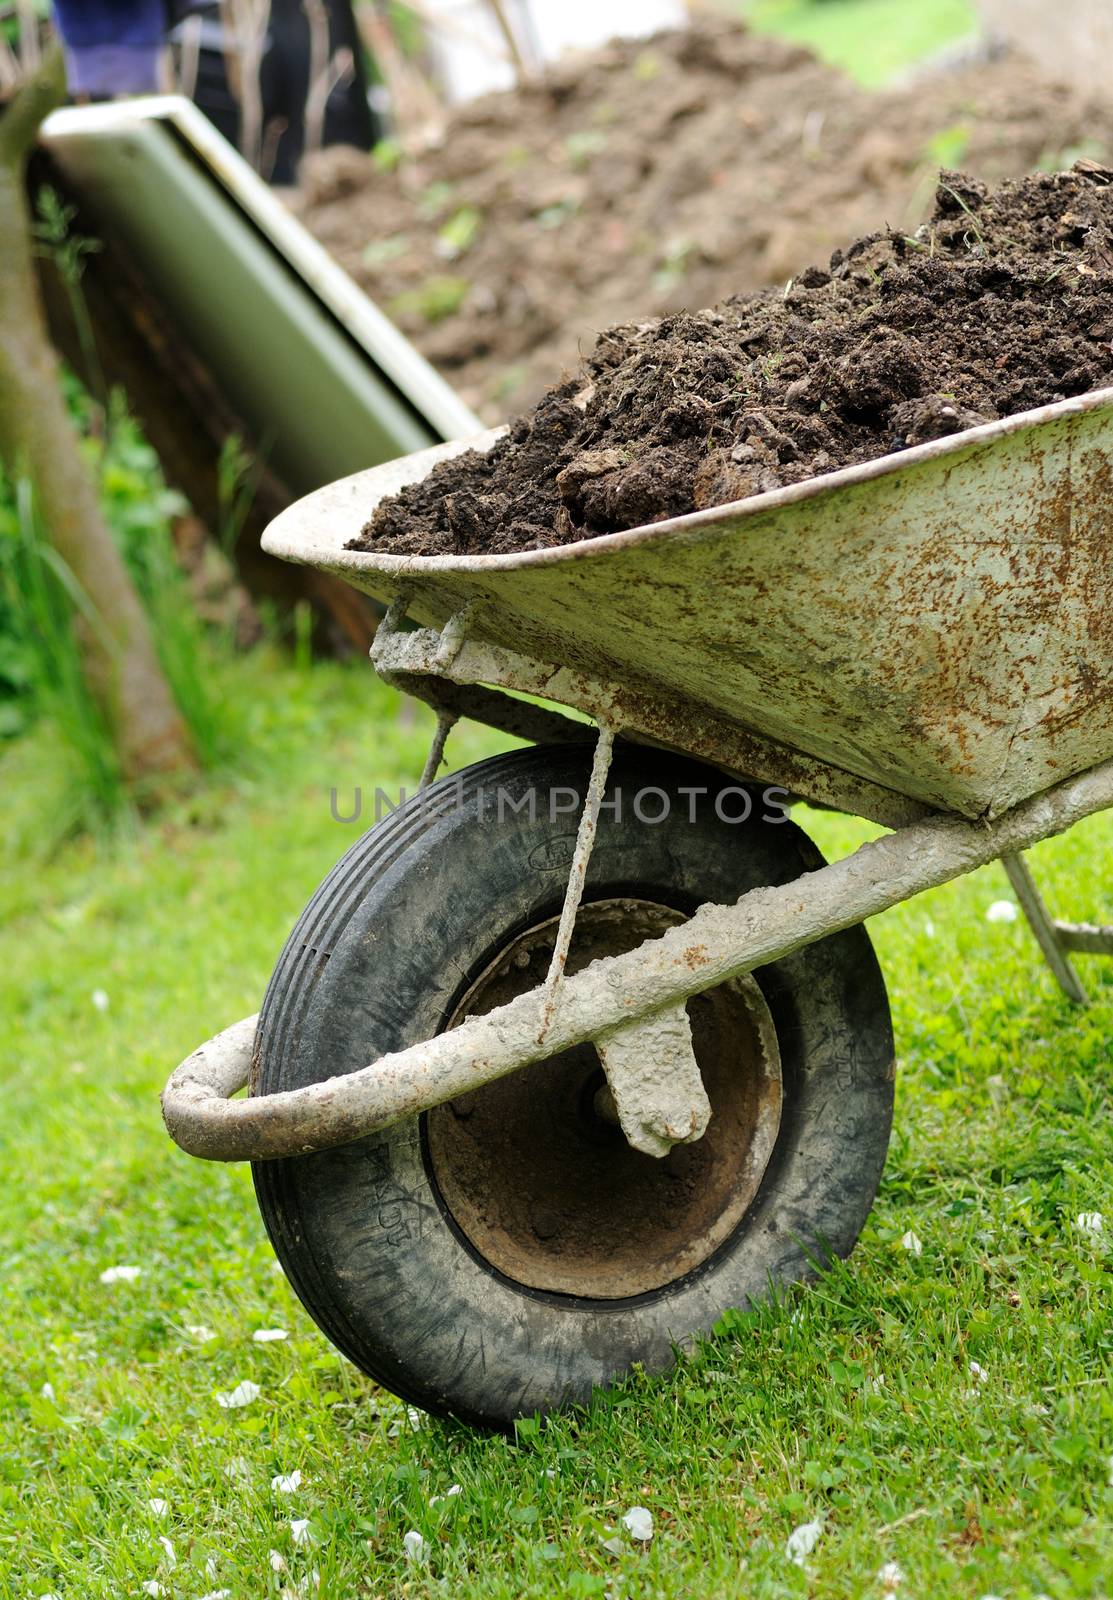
<point x="716" y="943"/>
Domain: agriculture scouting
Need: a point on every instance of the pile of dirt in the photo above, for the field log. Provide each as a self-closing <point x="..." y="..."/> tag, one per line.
<point x="1002" y="302"/>
<point x="653" y="176"/>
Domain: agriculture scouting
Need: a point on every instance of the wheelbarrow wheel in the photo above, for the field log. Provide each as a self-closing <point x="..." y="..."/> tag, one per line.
<point x="507" y="1252"/>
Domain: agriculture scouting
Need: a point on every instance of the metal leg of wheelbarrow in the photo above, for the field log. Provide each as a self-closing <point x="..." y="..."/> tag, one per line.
<point x="1056" y="939"/>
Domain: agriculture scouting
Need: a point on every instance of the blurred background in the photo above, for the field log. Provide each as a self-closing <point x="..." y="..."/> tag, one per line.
<point x="496" y="180"/>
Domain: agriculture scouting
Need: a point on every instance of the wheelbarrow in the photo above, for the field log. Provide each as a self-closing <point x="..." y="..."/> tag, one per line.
<point x="584" y="1045"/>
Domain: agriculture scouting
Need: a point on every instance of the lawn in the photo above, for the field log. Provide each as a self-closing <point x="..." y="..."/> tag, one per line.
<point x="940" y="1410"/>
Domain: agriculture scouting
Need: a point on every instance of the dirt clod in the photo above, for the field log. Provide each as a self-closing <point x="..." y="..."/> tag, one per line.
<point x="1003" y="301"/>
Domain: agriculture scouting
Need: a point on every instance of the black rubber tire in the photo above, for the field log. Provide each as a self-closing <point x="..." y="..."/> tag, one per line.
<point x="388" y="943"/>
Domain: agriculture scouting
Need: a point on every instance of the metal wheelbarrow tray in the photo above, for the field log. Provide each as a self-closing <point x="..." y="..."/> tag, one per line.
<point x="925" y="641"/>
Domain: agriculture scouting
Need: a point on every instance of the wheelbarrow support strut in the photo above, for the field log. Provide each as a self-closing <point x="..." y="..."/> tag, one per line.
<point x="718" y="942"/>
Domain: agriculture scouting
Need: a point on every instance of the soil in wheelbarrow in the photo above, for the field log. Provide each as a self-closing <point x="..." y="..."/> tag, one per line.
<point x="653" y="176"/>
<point x="1002" y="301"/>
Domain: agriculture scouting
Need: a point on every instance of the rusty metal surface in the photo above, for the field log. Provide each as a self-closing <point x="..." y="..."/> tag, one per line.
<point x="715" y="944"/>
<point x="938" y="623"/>
<point x="414" y="661"/>
<point x="539" y="1177"/>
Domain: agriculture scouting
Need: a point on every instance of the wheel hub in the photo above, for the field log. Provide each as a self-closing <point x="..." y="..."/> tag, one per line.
<point x="538" y="1176"/>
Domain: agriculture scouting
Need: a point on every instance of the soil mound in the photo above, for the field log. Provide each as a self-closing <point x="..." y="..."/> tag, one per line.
<point x="653" y="176"/>
<point x="1002" y="302"/>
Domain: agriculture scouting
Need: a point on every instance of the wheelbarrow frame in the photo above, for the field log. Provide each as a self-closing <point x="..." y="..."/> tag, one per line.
<point x="632" y="1006"/>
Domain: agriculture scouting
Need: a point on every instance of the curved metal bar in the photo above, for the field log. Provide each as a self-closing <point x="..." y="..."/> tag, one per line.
<point x="716" y="943"/>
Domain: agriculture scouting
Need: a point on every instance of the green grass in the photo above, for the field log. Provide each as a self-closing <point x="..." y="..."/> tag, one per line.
<point x="872" y="39"/>
<point x="852" y="1401"/>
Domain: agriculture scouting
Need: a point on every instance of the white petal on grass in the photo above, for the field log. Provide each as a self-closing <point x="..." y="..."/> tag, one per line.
<point x="890" y="1577"/>
<point x="286" y="1482"/>
<point x="613" y="1546"/>
<point x="929" y="927"/>
<point x="121" y="1274"/>
<point x="242" y="1395"/>
<point x="978" y="1371"/>
<point x="1090" y="1223"/>
<point x="210" y="1567"/>
<point x="277" y="1561"/>
<point x="912" y="1244"/>
<point x="99" y="999"/>
<point x="299" y="1530"/>
<point x="157" y="1507"/>
<point x="47" y="1391"/>
<point x="153" y="1588"/>
<point x="168" y="1550"/>
<point x="269" y="1335"/>
<point x="199" y="1332"/>
<point x="1001" y="911"/>
<point x="217" y="1594"/>
<point x="638" y="1523"/>
<point x="802" y="1541"/>
<point x="449" y="1494"/>
<point x="414" y="1546"/>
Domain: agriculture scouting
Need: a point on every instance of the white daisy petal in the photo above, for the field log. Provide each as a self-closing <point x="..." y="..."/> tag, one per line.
<point x="1001" y="911"/>
<point x="157" y="1508"/>
<point x="978" y="1371"/>
<point x="269" y="1335"/>
<point x="1090" y="1223"/>
<point x="449" y="1494"/>
<point x="242" y="1395"/>
<point x="47" y="1391"/>
<point x="638" y="1523"/>
<point x="414" y="1546"/>
<point x="121" y="1274"/>
<point x="99" y="999"/>
<point x="153" y="1588"/>
<point x="299" y="1530"/>
<point x="802" y="1541"/>
<point x="278" y="1562"/>
<point x="286" y="1482"/>
<point x="912" y="1244"/>
<point x="199" y="1332"/>
<point x="890" y="1577"/>
<point x="168" y="1550"/>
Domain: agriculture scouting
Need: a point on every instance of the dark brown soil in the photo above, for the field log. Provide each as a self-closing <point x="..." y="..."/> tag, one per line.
<point x="1002" y="302"/>
<point x="655" y="176"/>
